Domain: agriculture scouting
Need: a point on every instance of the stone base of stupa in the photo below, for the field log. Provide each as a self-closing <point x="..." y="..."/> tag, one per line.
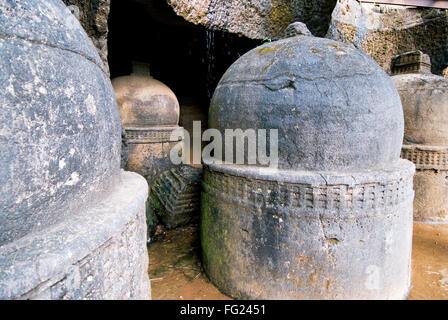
<point x="273" y="234"/>
<point x="97" y="253"/>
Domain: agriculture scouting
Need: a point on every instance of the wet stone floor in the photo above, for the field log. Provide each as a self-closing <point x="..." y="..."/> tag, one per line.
<point x="176" y="274"/>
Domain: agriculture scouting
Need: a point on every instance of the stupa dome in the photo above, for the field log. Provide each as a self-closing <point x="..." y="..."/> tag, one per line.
<point x="333" y="106"/>
<point x="145" y="101"/>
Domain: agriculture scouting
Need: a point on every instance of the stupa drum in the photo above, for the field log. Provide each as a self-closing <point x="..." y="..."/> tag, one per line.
<point x="425" y="103"/>
<point x="335" y="220"/>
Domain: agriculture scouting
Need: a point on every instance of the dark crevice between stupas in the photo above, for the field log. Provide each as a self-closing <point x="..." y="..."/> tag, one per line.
<point x="189" y="59"/>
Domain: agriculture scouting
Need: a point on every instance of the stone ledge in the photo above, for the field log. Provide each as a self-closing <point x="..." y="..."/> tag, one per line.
<point x="317" y="178"/>
<point x="349" y="195"/>
<point x="143" y="135"/>
<point x="426" y="157"/>
<point x="38" y="261"/>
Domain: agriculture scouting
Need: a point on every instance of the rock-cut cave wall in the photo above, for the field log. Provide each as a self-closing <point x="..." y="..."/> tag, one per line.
<point x="256" y="19"/>
<point x="383" y="31"/>
<point x="93" y="16"/>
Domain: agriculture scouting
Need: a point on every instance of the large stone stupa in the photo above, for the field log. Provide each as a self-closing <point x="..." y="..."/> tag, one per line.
<point x="335" y="220"/>
<point x="425" y="104"/>
<point x="72" y="223"/>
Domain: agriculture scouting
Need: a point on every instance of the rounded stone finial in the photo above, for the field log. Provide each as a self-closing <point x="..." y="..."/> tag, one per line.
<point x="333" y="106"/>
<point x="445" y="73"/>
<point x="149" y="112"/>
<point x="295" y="29"/>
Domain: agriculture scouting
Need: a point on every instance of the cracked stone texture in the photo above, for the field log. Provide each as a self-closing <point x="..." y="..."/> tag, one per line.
<point x="310" y="90"/>
<point x="383" y="31"/>
<point x="93" y="15"/>
<point x="256" y="19"/>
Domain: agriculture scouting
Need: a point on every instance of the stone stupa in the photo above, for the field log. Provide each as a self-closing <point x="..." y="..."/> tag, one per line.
<point x="425" y="104"/>
<point x="72" y="223"/>
<point x="149" y="111"/>
<point x="334" y="221"/>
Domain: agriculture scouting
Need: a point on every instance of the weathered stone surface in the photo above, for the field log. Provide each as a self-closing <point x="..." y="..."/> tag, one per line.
<point x="305" y="235"/>
<point x="335" y="220"/>
<point x="383" y="31"/>
<point x="256" y="19"/>
<point x="295" y="29"/>
<point x="151" y="159"/>
<point x="149" y="111"/>
<point x="425" y="103"/>
<point x="99" y="253"/>
<point x="145" y="101"/>
<point x="310" y="90"/>
<point x="93" y="15"/>
<point x="60" y="140"/>
<point x="445" y="73"/>
<point x="430" y="181"/>
<point x="67" y="211"/>
<point x="175" y="196"/>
